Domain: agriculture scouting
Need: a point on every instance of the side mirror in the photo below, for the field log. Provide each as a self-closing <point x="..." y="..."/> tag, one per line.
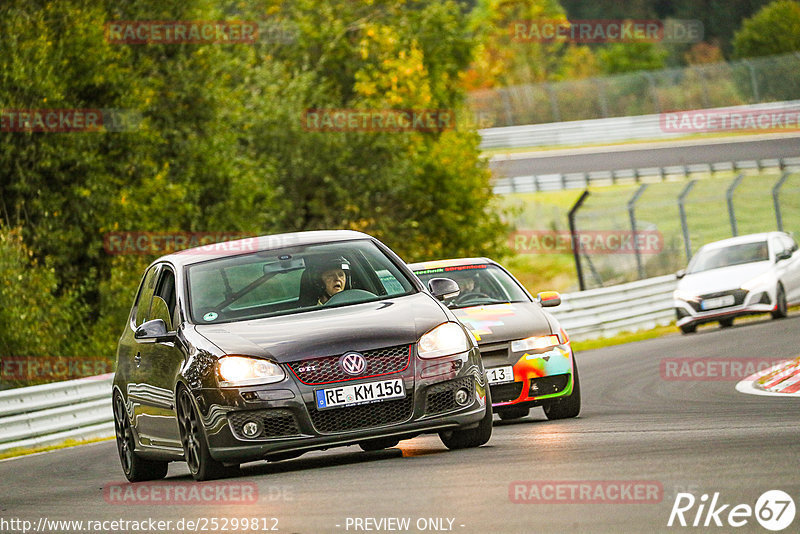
<point x="154" y="331"/>
<point x="782" y="255"/>
<point x="548" y="299"/>
<point x="680" y="274"/>
<point x="443" y="288"/>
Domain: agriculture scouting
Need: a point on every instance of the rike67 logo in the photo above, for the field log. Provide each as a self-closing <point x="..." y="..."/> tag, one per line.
<point x="774" y="510"/>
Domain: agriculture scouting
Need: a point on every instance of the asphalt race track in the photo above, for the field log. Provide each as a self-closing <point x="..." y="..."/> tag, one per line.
<point x="698" y="436"/>
<point x="657" y="155"/>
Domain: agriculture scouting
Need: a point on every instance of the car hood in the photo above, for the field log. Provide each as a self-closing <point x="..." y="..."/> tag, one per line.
<point x="504" y="322"/>
<point x="331" y="331"/>
<point x="722" y="279"/>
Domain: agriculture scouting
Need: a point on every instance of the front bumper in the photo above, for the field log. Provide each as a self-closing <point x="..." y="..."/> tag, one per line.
<point x="290" y="421"/>
<point x="538" y="375"/>
<point x="751" y="302"/>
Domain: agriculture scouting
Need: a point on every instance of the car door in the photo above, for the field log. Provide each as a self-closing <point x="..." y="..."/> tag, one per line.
<point x="159" y="364"/>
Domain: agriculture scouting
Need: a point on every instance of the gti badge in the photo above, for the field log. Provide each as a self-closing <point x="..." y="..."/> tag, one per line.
<point x="353" y="363"/>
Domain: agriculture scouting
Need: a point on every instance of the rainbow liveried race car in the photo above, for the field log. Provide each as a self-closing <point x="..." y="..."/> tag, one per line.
<point x="526" y="354"/>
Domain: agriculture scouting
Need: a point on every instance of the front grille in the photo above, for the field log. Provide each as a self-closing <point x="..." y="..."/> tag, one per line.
<point x="547" y="385"/>
<point x="494" y="355"/>
<point x="442" y="397"/>
<point x="363" y="416"/>
<point x="506" y="392"/>
<point x="326" y="370"/>
<point x="738" y="298"/>
<point x="273" y="423"/>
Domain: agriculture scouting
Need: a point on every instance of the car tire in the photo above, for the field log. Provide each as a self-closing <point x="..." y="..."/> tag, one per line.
<point x="688" y="329"/>
<point x="195" y="447"/>
<point x="726" y="323"/>
<point x="378" y="444"/>
<point x="473" y="437"/>
<point x="513" y="412"/>
<point x="566" y="407"/>
<point x="781" y="310"/>
<point x="136" y="468"/>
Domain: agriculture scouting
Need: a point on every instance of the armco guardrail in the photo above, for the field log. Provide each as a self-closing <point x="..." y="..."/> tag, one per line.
<point x="610" y="130"/>
<point x="583" y="180"/>
<point x="606" y="311"/>
<point x="81" y="409"/>
<point x="49" y="414"/>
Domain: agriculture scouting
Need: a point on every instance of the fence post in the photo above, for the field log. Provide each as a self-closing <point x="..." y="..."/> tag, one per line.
<point x="729" y="198"/>
<point x="553" y="103"/>
<point x="753" y="81"/>
<point x="687" y="243"/>
<point x="776" y="189"/>
<point x="632" y="217"/>
<point x="507" y="105"/>
<point x="651" y="80"/>
<point x="573" y="236"/>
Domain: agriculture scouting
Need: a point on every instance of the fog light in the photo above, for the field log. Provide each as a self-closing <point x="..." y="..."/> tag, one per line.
<point x="462" y="397"/>
<point x="251" y="429"/>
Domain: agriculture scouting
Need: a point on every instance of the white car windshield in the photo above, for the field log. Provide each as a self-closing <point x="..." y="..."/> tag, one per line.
<point x="715" y="258"/>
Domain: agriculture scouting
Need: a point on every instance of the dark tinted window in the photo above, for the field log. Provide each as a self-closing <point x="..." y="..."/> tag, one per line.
<point x="146" y="290"/>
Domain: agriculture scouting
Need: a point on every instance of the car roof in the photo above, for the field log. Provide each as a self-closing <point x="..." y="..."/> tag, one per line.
<point x="455" y="262"/>
<point x="258" y="244"/>
<point x="741" y="240"/>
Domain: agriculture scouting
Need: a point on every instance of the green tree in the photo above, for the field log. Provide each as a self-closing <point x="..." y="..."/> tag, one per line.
<point x="775" y="29"/>
<point x="619" y="58"/>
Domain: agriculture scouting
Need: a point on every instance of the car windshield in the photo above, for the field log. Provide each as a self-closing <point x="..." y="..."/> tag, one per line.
<point x="715" y="258"/>
<point x="292" y="280"/>
<point x="479" y="284"/>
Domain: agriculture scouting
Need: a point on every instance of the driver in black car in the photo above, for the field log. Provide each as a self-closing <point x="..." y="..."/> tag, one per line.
<point x="332" y="277"/>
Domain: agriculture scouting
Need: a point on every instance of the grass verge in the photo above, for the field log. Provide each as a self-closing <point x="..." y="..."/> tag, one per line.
<point x="13" y="453"/>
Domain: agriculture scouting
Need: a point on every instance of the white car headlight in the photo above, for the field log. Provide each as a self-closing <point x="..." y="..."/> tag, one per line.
<point x="245" y="371"/>
<point x="536" y="343"/>
<point x="685" y="296"/>
<point x="444" y="340"/>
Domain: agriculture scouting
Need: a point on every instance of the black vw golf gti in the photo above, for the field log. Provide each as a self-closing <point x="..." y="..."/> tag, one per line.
<point x="269" y="347"/>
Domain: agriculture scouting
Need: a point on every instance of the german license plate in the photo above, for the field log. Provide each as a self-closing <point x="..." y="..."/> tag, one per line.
<point x="365" y="393"/>
<point x="500" y="375"/>
<point x="719" y="302"/>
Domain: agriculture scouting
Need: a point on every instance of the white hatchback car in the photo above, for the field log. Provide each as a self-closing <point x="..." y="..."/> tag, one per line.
<point x="756" y="273"/>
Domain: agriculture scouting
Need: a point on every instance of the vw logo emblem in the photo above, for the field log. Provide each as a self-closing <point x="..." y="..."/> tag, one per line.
<point x="353" y="363"/>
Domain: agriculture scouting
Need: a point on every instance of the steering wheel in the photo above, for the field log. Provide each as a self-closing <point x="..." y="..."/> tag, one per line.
<point x="466" y="297"/>
<point x="350" y="295"/>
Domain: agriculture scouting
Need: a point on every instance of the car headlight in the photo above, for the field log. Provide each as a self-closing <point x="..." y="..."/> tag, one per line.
<point x="444" y="340"/>
<point x="685" y="296"/>
<point x="536" y="343"/>
<point x="245" y="371"/>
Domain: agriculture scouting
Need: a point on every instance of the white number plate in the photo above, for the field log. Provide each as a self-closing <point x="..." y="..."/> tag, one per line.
<point x="500" y="375"/>
<point x="719" y="302"/>
<point x="360" y="393"/>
